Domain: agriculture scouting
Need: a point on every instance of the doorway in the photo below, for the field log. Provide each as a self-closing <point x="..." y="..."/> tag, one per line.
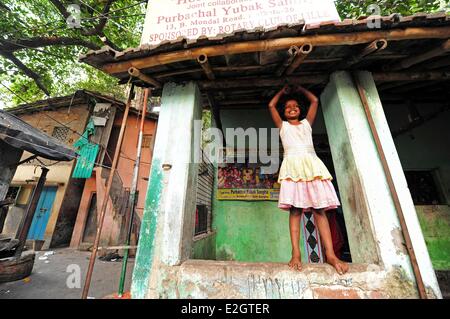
<point x="42" y="213"/>
<point x="91" y="221"/>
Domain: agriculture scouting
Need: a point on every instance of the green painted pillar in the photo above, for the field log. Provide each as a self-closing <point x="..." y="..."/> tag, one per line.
<point x="167" y="226"/>
<point x="373" y="227"/>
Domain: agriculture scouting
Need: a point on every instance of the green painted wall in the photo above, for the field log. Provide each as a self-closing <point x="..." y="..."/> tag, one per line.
<point x="435" y="224"/>
<point x="205" y="248"/>
<point x="251" y="232"/>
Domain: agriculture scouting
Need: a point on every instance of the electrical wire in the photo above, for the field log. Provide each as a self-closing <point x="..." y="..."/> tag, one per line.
<point x="36" y="49"/>
<point x="74" y="131"/>
<point x="45" y="114"/>
<point x="65" y="154"/>
<point x="116" y="23"/>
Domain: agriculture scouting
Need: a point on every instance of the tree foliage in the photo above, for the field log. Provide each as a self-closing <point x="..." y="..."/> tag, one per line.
<point x="39" y="45"/>
<point x="39" y="48"/>
<point x="358" y="8"/>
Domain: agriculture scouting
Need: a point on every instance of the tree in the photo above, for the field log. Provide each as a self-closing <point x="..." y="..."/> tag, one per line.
<point x="358" y="8"/>
<point x="40" y="42"/>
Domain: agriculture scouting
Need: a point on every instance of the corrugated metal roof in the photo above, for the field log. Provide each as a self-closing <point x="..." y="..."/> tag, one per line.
<point x="395" y="21"/>
<point x="77" y="98"/>
<point x="245" y="57"/>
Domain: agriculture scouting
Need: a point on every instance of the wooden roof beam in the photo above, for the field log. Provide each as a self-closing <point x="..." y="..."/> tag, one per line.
<point x="204" y="63"/>
<point x="411" y="76"/>
<point x="373" y="47"/>
<point x="278" y="44"/>
<point x="134" y="72"/>
<point x="379" y="77"/>
<point x="408" y="62"/>
<point x="300" y="56"/>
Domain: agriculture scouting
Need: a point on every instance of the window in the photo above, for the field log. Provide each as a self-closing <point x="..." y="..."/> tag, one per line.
<point x="423" y="187"/>
<point x="201" y="220"/>
<point x="146" y="140"/>
<point x="61" y="133"/>
<point x="12" y="193"/>
<point x="205" y="185"/>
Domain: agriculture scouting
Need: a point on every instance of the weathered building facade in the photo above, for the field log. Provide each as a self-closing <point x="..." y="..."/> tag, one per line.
<point x="364" y="81"/>
<point x="67" y="198"/>
<point x="114" y="230"/>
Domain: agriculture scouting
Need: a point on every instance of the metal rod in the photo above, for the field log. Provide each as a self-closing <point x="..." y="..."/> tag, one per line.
<point x="116" y="247"/>
<point x="144" y="78"/>
<point x="27" y="160"/>
<point x="132" y="198"/>
<point x="204" y="63"/>
<point x="390" y="180"/>
<point x="106" y="196"/>
<point x="25" y="225"/>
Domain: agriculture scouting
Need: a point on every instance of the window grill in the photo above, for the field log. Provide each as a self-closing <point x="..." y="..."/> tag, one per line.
<point x="205" y="186"/>
<point x="61" y="133"/>
<point x="146" y="140"/>
<point x="12" y="193"/>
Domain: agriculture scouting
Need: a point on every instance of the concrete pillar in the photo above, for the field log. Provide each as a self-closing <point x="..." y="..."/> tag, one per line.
<point x="167" y="226"/>
<point x="9" y="157"/>
<point x="372" y="223"/>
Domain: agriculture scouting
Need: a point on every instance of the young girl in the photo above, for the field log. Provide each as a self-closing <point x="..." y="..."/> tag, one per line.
<point x="305" y="181"/>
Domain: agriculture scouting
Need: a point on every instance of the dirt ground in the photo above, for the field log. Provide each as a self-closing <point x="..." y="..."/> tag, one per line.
<point x="51" y="275"/>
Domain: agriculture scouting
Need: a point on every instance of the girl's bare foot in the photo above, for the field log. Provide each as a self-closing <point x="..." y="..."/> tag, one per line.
<point x="295" y="263"/>
<point x="340" y="266"/>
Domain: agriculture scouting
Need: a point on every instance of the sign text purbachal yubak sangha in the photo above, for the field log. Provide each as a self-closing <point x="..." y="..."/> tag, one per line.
<point x="172" y="19"/>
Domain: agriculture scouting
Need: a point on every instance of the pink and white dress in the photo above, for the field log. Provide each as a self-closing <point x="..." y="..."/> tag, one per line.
<point x="305" y="180"/>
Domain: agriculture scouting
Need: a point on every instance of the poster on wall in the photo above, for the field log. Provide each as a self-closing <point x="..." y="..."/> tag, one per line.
<point x="167" y="20"/>
<point x="246" y="182"/>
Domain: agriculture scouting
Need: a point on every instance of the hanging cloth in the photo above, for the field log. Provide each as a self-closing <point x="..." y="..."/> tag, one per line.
<point x="87" y="152"/>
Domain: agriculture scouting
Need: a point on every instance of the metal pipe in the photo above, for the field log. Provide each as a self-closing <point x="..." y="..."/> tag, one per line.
<point x="144" y="78"/>
<point x="301" y="55"/>
<point x="132" y="198"/>
<point x="106" y="195"/>
<point x="25" y="224"/>
<point x="204" y="63"/>
<point x="390" y="180"/>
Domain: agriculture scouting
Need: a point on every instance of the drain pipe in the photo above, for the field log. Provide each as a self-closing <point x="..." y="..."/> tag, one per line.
<point x="132" y="198"/>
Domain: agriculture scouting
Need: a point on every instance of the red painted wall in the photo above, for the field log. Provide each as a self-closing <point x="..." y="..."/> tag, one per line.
<point x="112" y="223"/>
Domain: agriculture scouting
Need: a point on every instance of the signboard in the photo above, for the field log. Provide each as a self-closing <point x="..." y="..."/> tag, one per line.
<point x="246" y="182"/>
<point x="171" y="19"/>
<point x="248" y="194"/>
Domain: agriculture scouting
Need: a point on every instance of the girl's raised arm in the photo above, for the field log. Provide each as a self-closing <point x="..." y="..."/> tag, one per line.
<point x="314" y="104"/>
<point x="273" y="106"/>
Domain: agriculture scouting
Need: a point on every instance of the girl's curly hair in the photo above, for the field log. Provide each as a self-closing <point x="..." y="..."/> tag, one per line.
<point x="302" y="103"/>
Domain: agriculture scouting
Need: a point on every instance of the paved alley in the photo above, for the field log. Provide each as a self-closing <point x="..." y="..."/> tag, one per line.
<point x="52" y="272"/>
